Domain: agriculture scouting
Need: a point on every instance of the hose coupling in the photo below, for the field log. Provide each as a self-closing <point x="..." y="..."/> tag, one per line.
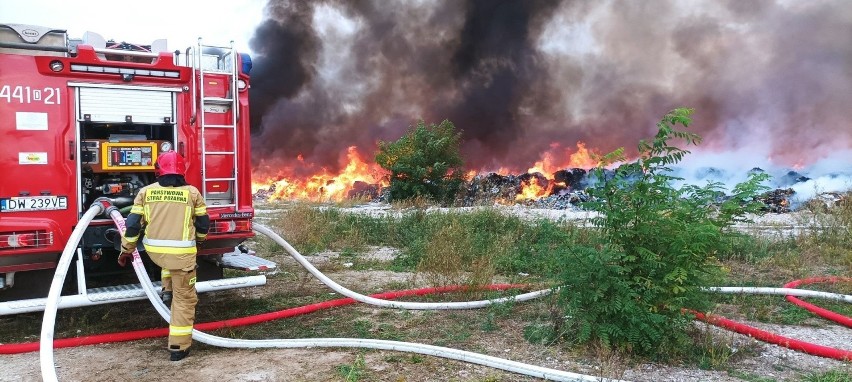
<point x="106" y="205"/>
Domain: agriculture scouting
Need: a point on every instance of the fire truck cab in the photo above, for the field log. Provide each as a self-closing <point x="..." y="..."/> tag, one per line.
<point x="87" y="118"/>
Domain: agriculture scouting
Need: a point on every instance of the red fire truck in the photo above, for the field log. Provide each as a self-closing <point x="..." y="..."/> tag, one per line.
<point x="87" y="118"/>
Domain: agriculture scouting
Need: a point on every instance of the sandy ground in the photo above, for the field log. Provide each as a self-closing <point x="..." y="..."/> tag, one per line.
<point x="146" y="360"/>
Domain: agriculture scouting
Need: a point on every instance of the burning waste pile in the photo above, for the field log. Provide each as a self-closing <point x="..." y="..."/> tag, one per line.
<point x="566" y="189"/>
<point x="357" y="190"/>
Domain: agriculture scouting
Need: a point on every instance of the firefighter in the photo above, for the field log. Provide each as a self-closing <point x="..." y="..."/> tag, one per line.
<point x="174" y="217"/>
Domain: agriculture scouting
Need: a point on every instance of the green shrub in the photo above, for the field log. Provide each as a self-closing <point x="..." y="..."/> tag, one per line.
<point x="425" y="162"/>
<point x="657" y="249"/>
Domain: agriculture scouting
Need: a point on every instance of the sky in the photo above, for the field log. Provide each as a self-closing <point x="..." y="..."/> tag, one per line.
<point x="181" y="22"/>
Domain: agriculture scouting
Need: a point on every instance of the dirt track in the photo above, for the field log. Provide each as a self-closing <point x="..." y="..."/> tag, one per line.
<point x="146" y="360"/>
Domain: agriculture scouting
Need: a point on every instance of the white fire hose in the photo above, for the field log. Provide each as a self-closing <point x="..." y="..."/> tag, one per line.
<point x="781" y="292"/>
<point x="48" y="369"/>
<point x="46" y="345"/>
<point x="437" y="351"/>
<point x="260" y="228"/>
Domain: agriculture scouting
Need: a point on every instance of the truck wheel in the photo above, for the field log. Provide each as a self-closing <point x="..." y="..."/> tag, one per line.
<point x="209" y="271"/>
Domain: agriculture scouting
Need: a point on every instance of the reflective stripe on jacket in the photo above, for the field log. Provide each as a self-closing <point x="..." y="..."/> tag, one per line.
<point x="168" y="215"/>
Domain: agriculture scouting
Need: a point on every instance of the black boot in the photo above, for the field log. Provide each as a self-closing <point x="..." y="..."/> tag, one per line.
<point x="177" y="355"/>
<point x="167" y="298"/>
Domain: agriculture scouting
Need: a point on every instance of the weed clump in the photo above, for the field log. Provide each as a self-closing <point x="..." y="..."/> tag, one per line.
<point x="657" y="249"/>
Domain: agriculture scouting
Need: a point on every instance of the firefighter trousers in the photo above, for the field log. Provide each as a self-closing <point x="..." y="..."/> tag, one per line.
<point x="184" y="299"/>
<point x="178" y="273"/>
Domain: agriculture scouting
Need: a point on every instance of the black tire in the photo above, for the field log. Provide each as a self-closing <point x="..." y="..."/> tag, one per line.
<point x="208" y="270"/>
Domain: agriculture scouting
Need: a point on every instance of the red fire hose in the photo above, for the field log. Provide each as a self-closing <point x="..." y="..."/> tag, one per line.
<point x="824" y="313"/>
<point x="27" y="347"/>
<point x="772" y="338"/>
<point x="806" y="347"/>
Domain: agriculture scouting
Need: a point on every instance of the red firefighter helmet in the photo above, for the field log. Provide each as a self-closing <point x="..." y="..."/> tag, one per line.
<point x="170" y="163"/>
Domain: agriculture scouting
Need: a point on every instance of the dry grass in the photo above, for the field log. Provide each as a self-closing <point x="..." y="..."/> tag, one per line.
<point x="832" y="242"/>
<point x="307" y="228"/>
<point x="609" y="363"/>
<point x="419" y="202"/>
<point x="448" y="259"/>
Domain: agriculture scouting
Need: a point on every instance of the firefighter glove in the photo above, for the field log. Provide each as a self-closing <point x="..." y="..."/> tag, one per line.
<point x="123" y="257"/>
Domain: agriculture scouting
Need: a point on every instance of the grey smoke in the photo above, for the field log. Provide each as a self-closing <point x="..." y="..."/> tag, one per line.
<point x="771" y="80"/>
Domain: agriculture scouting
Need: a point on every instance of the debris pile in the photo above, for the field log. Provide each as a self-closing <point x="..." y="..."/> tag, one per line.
<point x="490" y="188"/>
<point x="265" y="193"/>
<point x="364" y="190"/>
<point x="791" y="178"/>
<point x="574" y="178"/>
<point x="777" y="201"/>
<point x="563" y="201"/>
<point x="827" y="200"/>
<point x="566" y="189"/>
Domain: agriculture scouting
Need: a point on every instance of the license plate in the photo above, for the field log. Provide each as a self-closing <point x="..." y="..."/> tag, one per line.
<point x="33" y="203"/>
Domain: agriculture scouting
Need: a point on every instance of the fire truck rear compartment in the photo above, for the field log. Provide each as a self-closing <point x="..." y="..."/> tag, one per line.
<point x="116" y="160"/>
<point x="122" y="130"/>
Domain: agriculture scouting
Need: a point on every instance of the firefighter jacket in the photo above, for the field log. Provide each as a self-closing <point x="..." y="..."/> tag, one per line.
<point x="174" y="219"/>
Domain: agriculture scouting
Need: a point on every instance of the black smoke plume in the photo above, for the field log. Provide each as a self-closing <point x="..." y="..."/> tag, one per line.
<point x="773" y="78"/>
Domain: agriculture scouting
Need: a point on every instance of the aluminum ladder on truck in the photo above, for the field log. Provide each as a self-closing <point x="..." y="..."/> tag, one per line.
<point x="218" y="74"/>
<point x="218" y="118"/>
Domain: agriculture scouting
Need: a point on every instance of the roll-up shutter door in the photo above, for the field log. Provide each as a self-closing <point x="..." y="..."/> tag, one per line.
<point x="117" y="105"/>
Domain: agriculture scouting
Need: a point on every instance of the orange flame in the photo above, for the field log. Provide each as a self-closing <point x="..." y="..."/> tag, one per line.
<point x="323" y="185"/>
<point x="533" y="190"/>
<point x="469" y="175"/>
<point x="551" y="163"/>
